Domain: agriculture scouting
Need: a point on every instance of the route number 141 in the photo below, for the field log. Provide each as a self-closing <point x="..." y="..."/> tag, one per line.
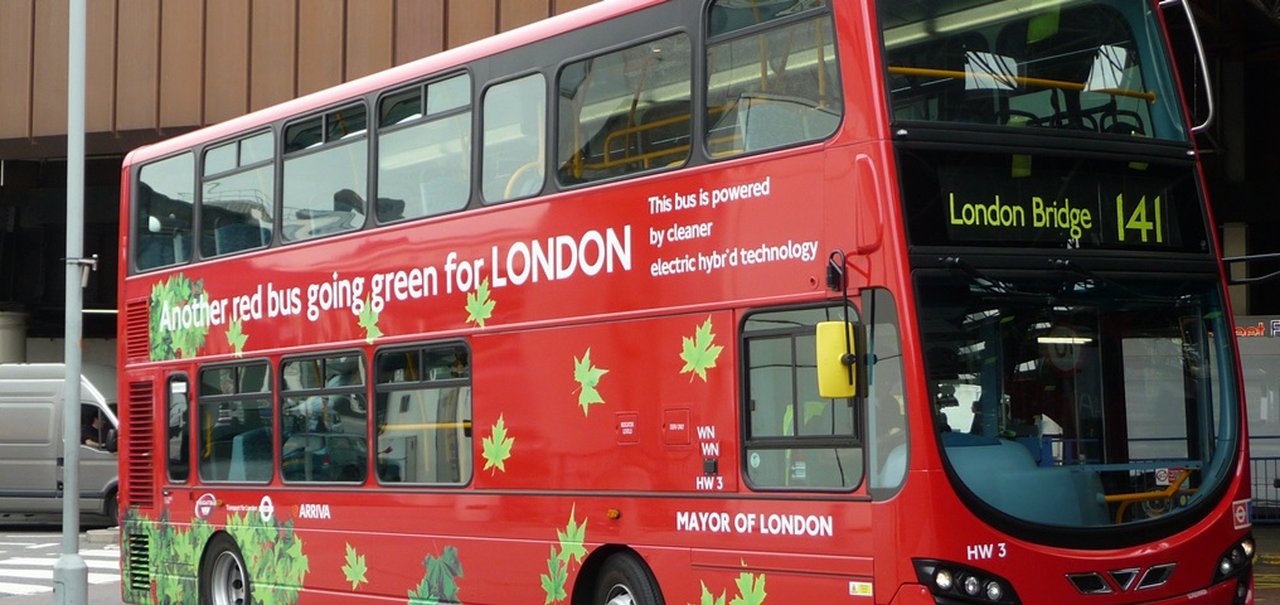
<point x="1145" y="219"/>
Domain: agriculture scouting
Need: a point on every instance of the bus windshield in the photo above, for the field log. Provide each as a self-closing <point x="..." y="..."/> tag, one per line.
<point x="1080" y="400"/>
<point x="1094" y="66"/>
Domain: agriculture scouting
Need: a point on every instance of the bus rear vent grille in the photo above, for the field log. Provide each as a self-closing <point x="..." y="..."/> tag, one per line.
<point x="137" y="330"/>
<point x="139" y="562"/>
<point x="140" y="435"/>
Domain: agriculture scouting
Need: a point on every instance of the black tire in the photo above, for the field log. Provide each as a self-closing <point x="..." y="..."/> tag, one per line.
<point x="625" y="580"/>
<point x="224" y="578"/>
<point x="111" y="509"/>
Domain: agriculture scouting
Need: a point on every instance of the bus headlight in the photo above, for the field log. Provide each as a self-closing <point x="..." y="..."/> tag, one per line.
<point x="1236" y="560"/>
<point x="963" y="584"/>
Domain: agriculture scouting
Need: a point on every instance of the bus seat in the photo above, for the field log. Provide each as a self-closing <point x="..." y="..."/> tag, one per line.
<point x="766" y="120"/>
<point x="251" y="456"/>
<point x="234" y="237"/>
<point x="155" y="250"/>
<point x="443" y="191"/>
<point x="1006" y="476"/>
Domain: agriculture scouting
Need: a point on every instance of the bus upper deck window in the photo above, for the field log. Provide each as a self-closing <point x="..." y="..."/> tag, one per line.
<point x="424" y="150"/>
<point x="162" y="212"/>
<point x="325" y="175"/>
<point x="772" y="75"/>
<point x="237" y="201"/>
<point x="626" y="111"/>
<point x="514" y="139"/>
<point x="1087" y="67"/>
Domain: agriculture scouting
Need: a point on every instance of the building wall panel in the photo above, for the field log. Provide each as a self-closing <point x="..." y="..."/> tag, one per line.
<point x="564" y="6"/>
<point x="514" y="13"/>
<point x="273" y="55"/>
<point x="370" y="37"/>
<point x="419" y="29"/>
<point x="100" y="65"/>
<point x="226" y="59"/>
<point x="470" y="20"/>
<point x="15" y="68"/>
<point x="320" y="44"/>
<point x="49" y="87"/>
<point x="181" y="63"/>
<point x="138" y="84"/>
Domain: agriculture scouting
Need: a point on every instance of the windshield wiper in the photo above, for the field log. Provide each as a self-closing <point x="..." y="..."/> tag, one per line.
<point x="988" y="283"/>
<point x="1068" y="266"/>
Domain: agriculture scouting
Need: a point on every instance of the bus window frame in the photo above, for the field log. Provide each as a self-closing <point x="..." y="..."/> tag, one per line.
<point x="136" y="227"/>
<point x="284" y="393"/>
<point x="702" y="93"/>
<point x="545" y="149"/>
<point x="186" y="428"/>
<point x="425" y="116"/>
<point x="789" y="443"/>
<point x="379" y="388"/>
<point x="697" y="100"/>
<point x="283" y="155"/>
<point x="269" y="394"/>
<point x="275" y="160"/>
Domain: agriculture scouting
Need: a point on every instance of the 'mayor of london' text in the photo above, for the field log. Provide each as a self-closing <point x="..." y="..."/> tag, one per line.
<point x="1044" y="215"/>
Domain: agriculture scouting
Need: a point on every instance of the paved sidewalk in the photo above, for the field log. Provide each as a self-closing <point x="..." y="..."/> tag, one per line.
<point x="1266" y="574"/>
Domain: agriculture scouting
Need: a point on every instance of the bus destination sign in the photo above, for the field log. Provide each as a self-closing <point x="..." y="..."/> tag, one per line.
<point x="1131" y="221"/>
<point x="1006" y="200"/>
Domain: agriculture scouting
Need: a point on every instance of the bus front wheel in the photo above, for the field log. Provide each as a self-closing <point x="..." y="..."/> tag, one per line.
<point x="223" y="577"/>
<point x="624" y="580"/>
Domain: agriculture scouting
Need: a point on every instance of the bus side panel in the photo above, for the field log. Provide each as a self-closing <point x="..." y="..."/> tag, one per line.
<point x="629" y="406"/>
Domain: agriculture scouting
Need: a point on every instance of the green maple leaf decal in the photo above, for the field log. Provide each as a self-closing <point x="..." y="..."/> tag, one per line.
<point x="354" y="569"/>
<point x="497" y="447"/>
<point x="236" y="337"/>
<point x="700" y="352"/>
<point x="440" y="584"/>
<point x="479" y="306"/>
<point x="571" y="539"/>
<point x="182" y="342"/>
<point x="554" y="581"/>
<point x="588" y="377"/>
<point x="369" y="321"/>
<point x="750" y="591"/>
<point x="708" y="598"/>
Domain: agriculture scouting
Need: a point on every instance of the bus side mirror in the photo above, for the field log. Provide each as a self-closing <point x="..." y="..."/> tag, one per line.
<point x="838" y="353"/>
<point x="113" y="441"/>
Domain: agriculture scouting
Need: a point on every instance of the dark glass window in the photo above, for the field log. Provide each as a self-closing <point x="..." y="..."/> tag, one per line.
<point x="772" y="75"/>
<point x="626" y="111"/>
<point x="325" y="175"/>
<point x="424" y="154"/>
<point x="324" y="419"/>
<point x="423" y="411"/>
<point x="178" y="436"/>
<point x="237" y="198"/>
<point x="795" y="439"/>
<point x="235" y="423"/>
<point x="162" y="212"/>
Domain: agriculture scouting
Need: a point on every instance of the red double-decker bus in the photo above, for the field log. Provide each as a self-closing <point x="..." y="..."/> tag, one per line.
<point x="735" y="301"/>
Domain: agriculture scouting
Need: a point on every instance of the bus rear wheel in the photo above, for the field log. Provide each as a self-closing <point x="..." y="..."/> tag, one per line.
<point x="624" y="580"/>
<point x="223" y="576"/>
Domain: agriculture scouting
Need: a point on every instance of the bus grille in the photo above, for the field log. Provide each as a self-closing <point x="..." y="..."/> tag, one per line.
<point x="139" y="562"/>
<point x="137" y="330"/>
<point x="140" y="435"/>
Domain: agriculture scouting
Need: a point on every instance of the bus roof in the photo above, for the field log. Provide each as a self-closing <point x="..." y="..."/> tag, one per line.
<point x="439" y="62"/>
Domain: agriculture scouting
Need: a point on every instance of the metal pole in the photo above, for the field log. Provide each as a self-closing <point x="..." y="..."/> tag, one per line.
<point x="70" y="574"/>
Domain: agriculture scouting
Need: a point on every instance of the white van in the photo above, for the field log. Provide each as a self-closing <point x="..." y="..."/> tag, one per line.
<point x="31" y="448"/>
